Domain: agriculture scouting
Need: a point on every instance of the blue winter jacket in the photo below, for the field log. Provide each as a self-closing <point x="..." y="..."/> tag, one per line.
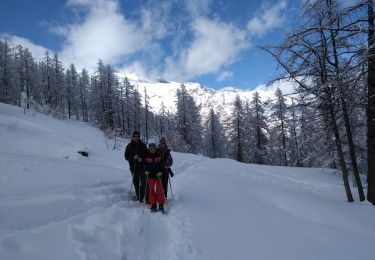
<point x="153" y="164"/>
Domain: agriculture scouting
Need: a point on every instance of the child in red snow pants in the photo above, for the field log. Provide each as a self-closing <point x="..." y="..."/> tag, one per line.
<point x="159" y="195"/>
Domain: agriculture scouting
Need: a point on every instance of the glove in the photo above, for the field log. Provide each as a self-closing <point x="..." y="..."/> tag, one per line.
<point x="170" y="172"/>
<point x="158" y="174"/>
<point x="147" y="172"/>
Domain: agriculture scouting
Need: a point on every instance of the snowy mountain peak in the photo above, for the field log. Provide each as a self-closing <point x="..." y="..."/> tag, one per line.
<point x="162" y="91"/>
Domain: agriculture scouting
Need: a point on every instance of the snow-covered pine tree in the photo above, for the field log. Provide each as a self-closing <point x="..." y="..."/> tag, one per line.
<point x="236" y="131"/>
<point x="215" y="140"/>
<point x="49" y="91"/>
<point x="97" y="98"/>
<point x="116" y="128"/>
<point x="249" y="130"/>
<point x="111" y="84"/>
<point x="84" y="85"/>
<point x="126" y="106"/>
<point x="122" y="108"/>
<point x="165" y="123"/>
<point x="28" y="77"/>
<point x="189" y="128"/>
<point x="147" y="114"/>
<point x="313" y="135"/>
<point x="59" y="86"/>
<point x="8" y="85"/>
<point x="259" y="131"/>
<point x="71" y="91"/>
<point x="279" y="139"/>
<point x="20" y="78"/>
<point x="182" y="139"/>
<point x="162" y="122"/>
<point x="136" y="109"/>
<point x="166" y="127"/>
<point x="294" y="133"/>
<point x="322" y="51"/>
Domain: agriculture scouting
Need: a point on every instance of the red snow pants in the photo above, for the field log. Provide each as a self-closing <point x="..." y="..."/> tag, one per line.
<point x="159" y="196"/>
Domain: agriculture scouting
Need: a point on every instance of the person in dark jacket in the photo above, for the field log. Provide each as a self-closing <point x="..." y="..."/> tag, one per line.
<point x="167" y="161"/>
<point x="134" y="154"/>
<point x="154" y="170"/>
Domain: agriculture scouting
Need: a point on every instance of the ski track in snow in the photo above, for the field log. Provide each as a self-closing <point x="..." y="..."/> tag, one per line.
<point x="102" y="222"/>
<point x="130" y="231"/>
<point x="39" y="211"/>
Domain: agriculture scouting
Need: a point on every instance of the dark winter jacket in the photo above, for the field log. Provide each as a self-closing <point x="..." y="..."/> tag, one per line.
<point x="132" y="149"/>
<point x="153" y="164"/>
<point x="166" y="156"/>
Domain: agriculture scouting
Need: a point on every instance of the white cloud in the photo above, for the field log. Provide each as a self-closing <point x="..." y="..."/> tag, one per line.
<point x="79" y="2"/>
<point x="197" y="8"/>
<point x="137" y="70"/>
<point x="37" y="51"/>
<point x="156" y="20"/>
<point x="103" y="33"/>
<point x="269" y="18"/>
<point x="215" y="44"/>
<point x="286" y="86"/>
<point x="156" y="41"/>
<point x="224" y="75"/>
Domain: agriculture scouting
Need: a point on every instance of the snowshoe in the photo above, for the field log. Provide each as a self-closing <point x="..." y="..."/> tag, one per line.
<point x="153" y="208"/>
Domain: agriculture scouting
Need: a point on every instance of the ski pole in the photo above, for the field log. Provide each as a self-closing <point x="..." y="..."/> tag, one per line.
<point x="132" y="182"/>
<point x="146" y="189"/>
<point x="162" y="189"/>
<point x="139" y="187"/>
<point x="131" y="186"/>
<point x="170" y="186"/>
<point x="130" y="189"/>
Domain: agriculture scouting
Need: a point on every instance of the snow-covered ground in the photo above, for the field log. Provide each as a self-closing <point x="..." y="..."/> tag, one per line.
<point x="56" y="204"/>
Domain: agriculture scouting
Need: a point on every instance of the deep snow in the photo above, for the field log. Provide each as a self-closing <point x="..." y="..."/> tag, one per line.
<point x="56" y="204"/>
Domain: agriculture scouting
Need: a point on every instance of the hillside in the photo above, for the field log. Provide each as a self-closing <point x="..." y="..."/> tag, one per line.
<point x="56" y="204"/>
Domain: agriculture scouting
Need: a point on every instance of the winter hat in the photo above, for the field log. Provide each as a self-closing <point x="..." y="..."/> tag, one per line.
<point x="151" y="145"/>
<point x="162" y="140"/>
<point x="151" y="141"/>
<point x="136" y="133"/>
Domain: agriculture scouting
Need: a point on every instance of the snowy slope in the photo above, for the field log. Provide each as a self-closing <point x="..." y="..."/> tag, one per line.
<point x="55" y="204"/>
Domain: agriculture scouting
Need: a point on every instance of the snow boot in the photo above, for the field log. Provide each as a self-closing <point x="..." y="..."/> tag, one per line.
<point x="161" y="208"/>
<point x="153" y="208"/>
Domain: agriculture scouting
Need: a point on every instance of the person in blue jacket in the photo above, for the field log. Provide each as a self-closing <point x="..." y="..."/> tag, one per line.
<point x="154" y="167"/>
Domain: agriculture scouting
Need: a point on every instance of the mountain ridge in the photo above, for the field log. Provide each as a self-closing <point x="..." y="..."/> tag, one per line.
<point x="221" y="100"/>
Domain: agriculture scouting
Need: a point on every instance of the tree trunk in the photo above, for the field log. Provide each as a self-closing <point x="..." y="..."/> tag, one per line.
<point x="239" y="146"/>
<point x="352" y="151"/>
<point x="340" y="153"/>
<point x="284" y="143"/>
<point x="342" y="92"/>
<point x="371" y="106"/>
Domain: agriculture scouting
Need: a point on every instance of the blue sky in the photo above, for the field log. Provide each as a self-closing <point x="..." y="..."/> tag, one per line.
<point x="206" y="41"/>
